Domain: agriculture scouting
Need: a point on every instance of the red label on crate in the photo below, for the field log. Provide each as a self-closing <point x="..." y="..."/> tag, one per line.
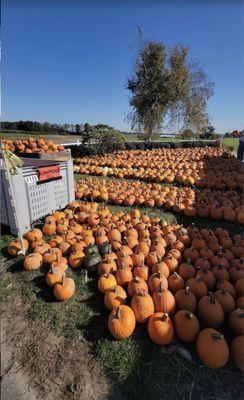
<point x="46" y="173"/>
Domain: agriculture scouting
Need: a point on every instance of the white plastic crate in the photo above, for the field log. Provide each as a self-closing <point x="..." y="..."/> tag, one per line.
<point x="25" y="199"/>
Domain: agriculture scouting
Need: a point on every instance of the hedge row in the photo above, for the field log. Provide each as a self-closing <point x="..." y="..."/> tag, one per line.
<point x="92" y="149"/>
<point x="170" y="145"/>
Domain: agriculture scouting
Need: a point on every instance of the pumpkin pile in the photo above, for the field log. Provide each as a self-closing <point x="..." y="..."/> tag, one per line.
<point x="182" y="282"/>
<point x="179" y="282"/>
<point x="31" y="145"/>
<point x="207" y="167"/>
<point x="205" y="203"/>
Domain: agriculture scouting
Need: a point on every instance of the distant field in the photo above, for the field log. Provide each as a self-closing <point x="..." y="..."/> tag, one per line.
<point x="231" y="142"/>
<point x="72" y="138"/>
<point x="133" y="137"/>
<point x="55" y="138"/>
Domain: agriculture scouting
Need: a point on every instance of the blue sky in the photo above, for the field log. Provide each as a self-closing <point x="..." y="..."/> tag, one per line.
<point x="67" y="62"/>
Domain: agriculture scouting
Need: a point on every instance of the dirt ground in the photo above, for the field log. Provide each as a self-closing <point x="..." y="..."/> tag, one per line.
<point x="36" y="364"/>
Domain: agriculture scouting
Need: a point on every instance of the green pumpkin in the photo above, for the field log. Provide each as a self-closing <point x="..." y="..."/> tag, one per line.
<point x="105" y="248"/>
<point x="91" y="261"/>
<point x="92" y="249"/>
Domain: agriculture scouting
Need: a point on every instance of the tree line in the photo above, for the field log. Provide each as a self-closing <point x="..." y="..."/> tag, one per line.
<point x="92" y="131"/>
<point x="42" y="127"/>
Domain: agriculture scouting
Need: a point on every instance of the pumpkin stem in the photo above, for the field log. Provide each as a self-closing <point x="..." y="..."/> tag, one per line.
<point x="198" y="279"/>
<point x="141" y="292"/>
<point x="86" y="275"/>
<point x="122" y="253"/>
<point x="63" y="280"/>
<point x="217" y="336"/>
<point x="160" y="287"/>
<point x="189" y="315"/>
<point x="117" y="313"/>
<point x="187" y="290"/>
<point x="165" y="316"/>
<point x="240" y="313"/>
<point x="159" y="258"/>
<point x="176" y="276"/>
<point x="188" y="261"/>
<point x="211" y="298"/>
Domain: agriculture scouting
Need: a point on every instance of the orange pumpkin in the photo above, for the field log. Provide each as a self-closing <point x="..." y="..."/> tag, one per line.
<point x="164" y="300"/>
<point x="186" y="325"/>
<point x="136" y="285"/>
<point x="212" y="348"/>
<point x="114" y="297"/>
<point x="105" y="282"/>
<point x="143" y="306"/>
<point x="160" y="328"/>
<point x="121" y="322"/>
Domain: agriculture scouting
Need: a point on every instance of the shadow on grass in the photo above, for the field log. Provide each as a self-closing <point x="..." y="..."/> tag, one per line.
<point x="157" y="374"/>
<point x="96" y="327"/>
<point x="44" y="292"/>
<point x="141" y="370"/>
<point x="16" y="267"/>
<point x="232" y="227"/>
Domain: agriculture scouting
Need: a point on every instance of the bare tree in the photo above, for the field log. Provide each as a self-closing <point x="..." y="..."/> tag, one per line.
<point x="165" y="84"/>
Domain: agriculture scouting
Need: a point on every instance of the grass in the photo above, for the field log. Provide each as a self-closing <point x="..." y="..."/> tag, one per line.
<point x="69" y="319"/>
<point x="233" y="142"/>
<point x="7" y="287"/>
<point x="120" y="358"/>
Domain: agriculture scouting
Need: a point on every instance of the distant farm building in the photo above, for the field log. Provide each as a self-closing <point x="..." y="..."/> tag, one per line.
<point x="167" y="135"/>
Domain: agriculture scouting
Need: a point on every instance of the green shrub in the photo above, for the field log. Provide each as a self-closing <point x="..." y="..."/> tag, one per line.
<point x="109" y="141"/>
